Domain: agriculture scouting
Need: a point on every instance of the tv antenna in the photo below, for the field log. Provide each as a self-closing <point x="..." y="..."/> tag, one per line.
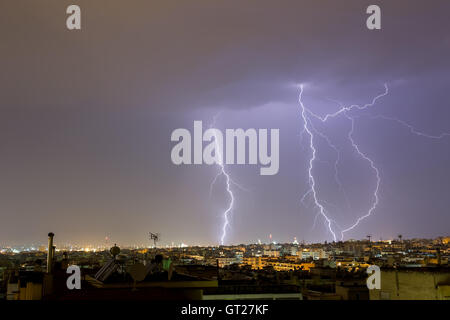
<point x="154" y="237"/>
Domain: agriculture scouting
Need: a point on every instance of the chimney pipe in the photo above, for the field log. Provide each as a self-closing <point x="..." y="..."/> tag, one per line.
<point x="50" y="252"/>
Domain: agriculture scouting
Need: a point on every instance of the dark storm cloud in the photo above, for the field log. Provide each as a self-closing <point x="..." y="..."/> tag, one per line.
<point x="239" y="54"/>
<point x="86" y="116"/>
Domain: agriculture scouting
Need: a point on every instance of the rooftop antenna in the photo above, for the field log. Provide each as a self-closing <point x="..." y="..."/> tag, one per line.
<point x="154" y="237"/>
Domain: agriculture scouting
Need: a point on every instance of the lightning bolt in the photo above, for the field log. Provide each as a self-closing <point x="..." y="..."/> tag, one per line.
<point x="228" y="182"/>
<point x="412" y="129"/>
<point x="374" y="168"/>
<point x="309" y="128"/>
<point x="312" y="182"/>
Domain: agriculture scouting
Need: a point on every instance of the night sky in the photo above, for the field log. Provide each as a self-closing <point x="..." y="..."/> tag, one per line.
<point x="86" y="118"/>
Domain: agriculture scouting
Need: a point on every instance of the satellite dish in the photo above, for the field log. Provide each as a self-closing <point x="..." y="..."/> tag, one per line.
<point x="137" y="272"/>
<point x="114" y="250"/>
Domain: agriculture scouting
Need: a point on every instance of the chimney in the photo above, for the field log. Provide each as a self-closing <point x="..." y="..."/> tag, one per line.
<point x="51" y="252"/>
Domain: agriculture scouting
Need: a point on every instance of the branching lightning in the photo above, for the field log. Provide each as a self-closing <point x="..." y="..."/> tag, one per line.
<point x="412" y="129"/>
<point x="313" y="134"/>
<point x="374" y="168"/>
<point x="312" y="181"/>
<point x="228" y="182"/>
<point x="308" y="127"/>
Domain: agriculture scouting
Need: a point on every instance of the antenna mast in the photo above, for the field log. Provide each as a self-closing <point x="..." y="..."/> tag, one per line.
<point x="154" y="237"/>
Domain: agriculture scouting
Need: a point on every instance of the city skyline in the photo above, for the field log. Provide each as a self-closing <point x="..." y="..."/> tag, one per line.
<point x="86" y="119"/>
<point x="62" y="245"/>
